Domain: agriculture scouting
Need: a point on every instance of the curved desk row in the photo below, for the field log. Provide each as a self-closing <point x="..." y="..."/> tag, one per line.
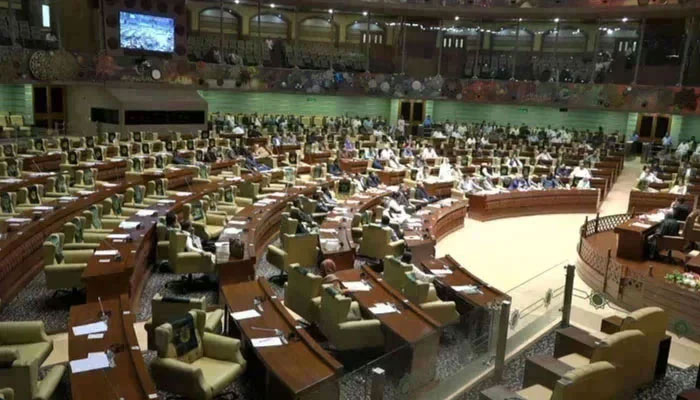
<point x="534" y="202"/>
<point x="641" y="202"/>
<point x="431" y="224"/>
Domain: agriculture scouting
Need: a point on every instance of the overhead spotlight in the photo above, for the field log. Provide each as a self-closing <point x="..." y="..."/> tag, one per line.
<point x="272" y="5"/>
<point x="330" y="11"/>
<point x="456" y="17"/>
<point x="520" y="19"/>
<point x="364" y="13"/>
<point x="624" y="19"/>
<point x="556" y="19"/>
<point x="237" y="1"/>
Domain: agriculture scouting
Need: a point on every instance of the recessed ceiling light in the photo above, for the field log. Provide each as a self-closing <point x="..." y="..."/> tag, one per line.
<point x="456" y="17"/>
<point x="330" y="11"/>
<point x="624" y="19"/>
<point x="272" y="5"/>
<point x="364" y="13"/>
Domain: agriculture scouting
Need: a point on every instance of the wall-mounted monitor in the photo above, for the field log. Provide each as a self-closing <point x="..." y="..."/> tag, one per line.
<point x="146" y="32"/>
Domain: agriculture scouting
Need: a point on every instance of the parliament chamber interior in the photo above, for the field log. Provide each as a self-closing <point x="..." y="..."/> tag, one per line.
<point x="349" y="200"/>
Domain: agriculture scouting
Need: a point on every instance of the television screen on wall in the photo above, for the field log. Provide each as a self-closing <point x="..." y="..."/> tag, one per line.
<point x="146" y="32"/>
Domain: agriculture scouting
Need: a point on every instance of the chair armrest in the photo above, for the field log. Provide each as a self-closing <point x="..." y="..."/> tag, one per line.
<point x="7" y="393"/>
<point x="359" y="326"/>
<point x="213" y="321"/>
<point x="222" y="348"/>
<point x="66" y="268"/>
<point x="396" y="244"/>
<point x="22" y="332"/>
<point x="244" y="201"/>
<point x="444" y="312"/>
<point x="48" y="385"/>
<point x="77" y="256"/>
<point x="169" y="372"/>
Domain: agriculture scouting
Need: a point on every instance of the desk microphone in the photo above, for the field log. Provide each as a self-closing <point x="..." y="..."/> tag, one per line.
<point x="103" y="315"/>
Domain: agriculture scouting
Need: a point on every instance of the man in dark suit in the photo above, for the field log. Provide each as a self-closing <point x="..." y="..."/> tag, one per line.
<point x="668" y="227"/>
<point x="681" y="209"/>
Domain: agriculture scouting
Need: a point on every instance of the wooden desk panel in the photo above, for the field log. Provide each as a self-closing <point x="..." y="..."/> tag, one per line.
<point x="129" y="379"/>
<point x="534" y="202"/>
<point x="284" y="378"/>
<point x="391" y="177"/>
<point x="632" y="240"/>
<point x="439" y="189"/>
<point x="640" y="202"/>
<point x="353" y="165"/>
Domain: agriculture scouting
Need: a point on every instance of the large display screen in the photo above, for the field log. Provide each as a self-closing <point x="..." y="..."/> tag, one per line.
<point x="146" y="32"/>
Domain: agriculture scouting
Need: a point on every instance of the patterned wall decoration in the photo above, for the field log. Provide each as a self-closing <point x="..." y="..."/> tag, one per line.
<point x="27" y="66"/>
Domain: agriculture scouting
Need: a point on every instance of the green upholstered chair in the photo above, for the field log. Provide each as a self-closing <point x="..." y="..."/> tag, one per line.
<point x="133" y="199"/>
<point x="309" y="206"/>
<point x="226" y="201"/>
<point x="340" y="320"/>
<point x="95" y="223"/>
<point x="299" y="249"/>
<point x="163" y="238"/>
<point x="168" y="308"/>
<point x="423" y="295"/>
<point x="627" y="351"/>
<point x="112" y="208"/>
<point x="207" y="225"/>
<point x="249" y="192"/>
<point x="24" y="346"/>
<point x="29" y="197"/>
<point x="302" y="293"/>
<point x="599" y="381"/>
<point x="76" y="238"/>
<point x="376" y="242"/>
<point x="200" y="368"/>
<point x="8" y="201"/>
<point x="57" y="186"/>
<point x="183" y="262"/>
<point x="7" y="394"/>
<point x="395" y="272"/>
<point x="85" y="179"/>
<point x="63" y="268"/>
<point x="11" y="168"/>
<point x="288" y="225"/>
<point x="267" y="186"/>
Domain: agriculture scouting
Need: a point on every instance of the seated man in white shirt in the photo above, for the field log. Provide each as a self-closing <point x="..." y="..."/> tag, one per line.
<point x="543" y="156"/>
<point x="584" y="183"/>
<point x="680" y="187"/>
<point x="469" y="186"/>
<point x="445" y="170"/>
<point x="238" y="130"/>
<point x="649" y="176"/>
<point x="428" y="152"/>
<point x="438" y="134"/>
<point x="194" y="243"/>
<point x="407" y="258"/>
<point x="580" y="171"/>
<point x="394" y="211"/>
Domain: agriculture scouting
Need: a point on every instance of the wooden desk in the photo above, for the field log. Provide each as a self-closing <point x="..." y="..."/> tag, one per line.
<point x="411" y="326"/>
<point x="439" y="189"/>
<point x="640" y="202"/>
<point x="298" y="370"/>
<point x="42" y="163"/>
<point x="437" y="220"/>
<point x="353" y="165"/>
<point x="317" y="157"/>
<point x="129" y="379"/>
<point x="391" y="177"/>
<point x="632" y="240"/>
<point x="533" y="202"/>
<point x="337" y="225"/>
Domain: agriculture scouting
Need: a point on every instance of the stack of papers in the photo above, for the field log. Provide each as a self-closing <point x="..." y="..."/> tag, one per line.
<point x="327" y="230"/>
<point x="109" y="185"/>
<point x="67" y="198"/>
<point x="441" y="272"/>
<point x="277" y="194"/>
<point x="357" y="286"/>
<point x="247" y="314"/>
<point x="17" y="220"/>
<point x="468" y="289"/>
<point x="43" y="208"/>
<point x="383" y="308"/>
<point x="166" y="201"/>
<point x="236" y="222"/>
<point x="92" y="362"/>
<point x="88" y="329"/>
<point x="145" y="213"/>
<point x="118" y="236"/>
<point x="267" y="342"/>
<point x="183" y="194"/>
<point x="129" y="225"/>
<point x="85" y="192"/>
<point x="641" y="225"/>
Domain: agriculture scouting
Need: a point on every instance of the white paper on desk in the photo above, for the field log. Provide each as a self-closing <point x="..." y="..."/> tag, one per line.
<point x="43" y="208"/>
<point x="109" y="185"/>
<point x="441" y="272"/>
<point x="237" y="222"/>
<point x="357" y="286"/>
<point x="96" y="336"/>
<point x="85" y="192"/>
<point x="382" y="308"/>
<point x="267" y="342"/>
<point x="411" y="237"/>
<point x="17" y="220"/>
<point x="327" y="230"/>
<point x="145" y="213"/>
<point x="87" y="329"/>
<point x="118" y="236"/>
<point x="67" y="198"/>
<point x="335" y="219"/>
<point x="694" y="253"/>
<point x="232" y="231"/>
<point x="129" y="225"/>
<point x="183" y="194"/>
<point x="468" y="289"/>
<point x="166" y="201"/>
<point x="277" y="194"/>
<point x="10" y="180"/>
<point x="641" y="225"/>
<point x="352" y="202"/>
<point x="92" y="362"/>
<point x="106" y="252"/>
<point x="247" y="314"/>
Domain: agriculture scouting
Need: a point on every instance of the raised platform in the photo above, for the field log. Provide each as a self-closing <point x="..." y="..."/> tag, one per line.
<point x="634" y="284"/>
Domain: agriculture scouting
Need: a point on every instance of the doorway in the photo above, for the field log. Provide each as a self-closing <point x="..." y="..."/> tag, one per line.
<point x="653" y="127"/>
<point x="413" y="112"/>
